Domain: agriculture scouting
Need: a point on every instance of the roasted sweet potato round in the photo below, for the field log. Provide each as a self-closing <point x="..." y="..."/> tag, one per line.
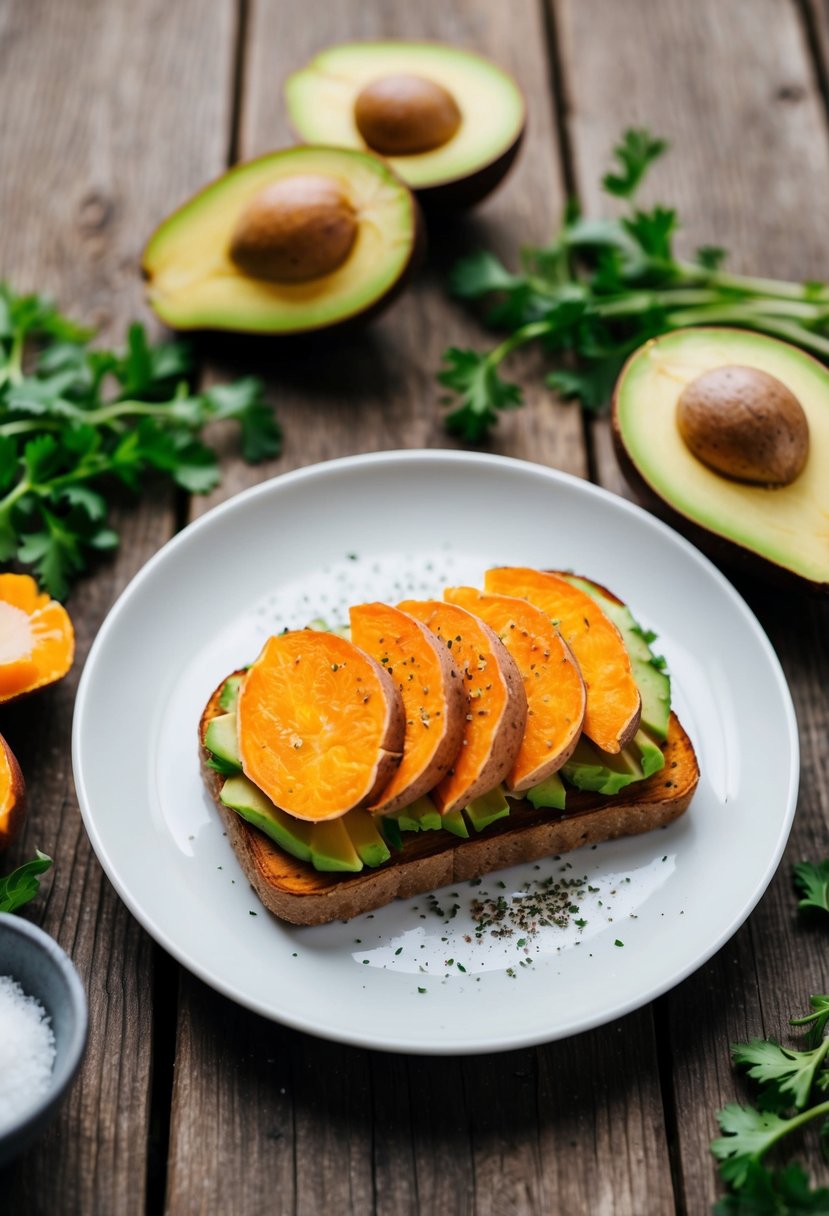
<point x="433" y="694"/>
<point x="497" y="704"/>
<point x="320" y="724"/>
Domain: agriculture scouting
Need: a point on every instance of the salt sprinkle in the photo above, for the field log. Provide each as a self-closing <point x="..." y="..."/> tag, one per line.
<point x="27" y="1052"/>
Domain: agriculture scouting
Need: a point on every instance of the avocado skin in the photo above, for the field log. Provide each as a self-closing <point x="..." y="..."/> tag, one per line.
<point x="466" y="192"/>
<point x="720" y="549"/>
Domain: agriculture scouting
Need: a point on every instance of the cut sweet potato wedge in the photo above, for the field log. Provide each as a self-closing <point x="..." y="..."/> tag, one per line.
<point x="37" y="641"/>
<point x="613" y="702"/>
<point x="433" y="695"/>
<point x="320" y="725"/>
<point x="552" y="681"/>
<point x="12" y="795"/>
<point x="497" y="705"/>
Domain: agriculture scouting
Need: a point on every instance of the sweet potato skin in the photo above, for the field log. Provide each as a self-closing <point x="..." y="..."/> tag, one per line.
<point x="13" y="809"/>
<point x="295" y="892"/>
<point x="451" y="794"/>
<point x="393" y="797"/>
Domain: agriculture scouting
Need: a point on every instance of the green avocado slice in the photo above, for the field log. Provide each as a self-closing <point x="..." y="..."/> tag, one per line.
<point x="483" y="811"/>
<point x="220" y="738"/>
<point x="370" y="845"/>
<point x="548" y="793"/>
<point x="292" y="835"/>
<point x="332" y="848"/>
<point x="589" y="768"/>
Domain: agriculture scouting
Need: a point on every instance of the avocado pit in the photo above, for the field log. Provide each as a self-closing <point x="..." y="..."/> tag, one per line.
<point x="404" y="114"/>
<point x="745" y="424"/>
<point x="297" y="228"/>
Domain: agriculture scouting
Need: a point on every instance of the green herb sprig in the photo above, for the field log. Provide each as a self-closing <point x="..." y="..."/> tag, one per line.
<point x="793" y="1092"/>
<point x="75" y="420"/>
<point x="23" y="883"/>
<point x="599" y="290"/>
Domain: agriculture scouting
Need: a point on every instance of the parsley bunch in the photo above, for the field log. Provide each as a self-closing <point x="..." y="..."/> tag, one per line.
<point x="794" y="1091"/>
<point x="599" y="290"/>
<point x="75" y="420"/>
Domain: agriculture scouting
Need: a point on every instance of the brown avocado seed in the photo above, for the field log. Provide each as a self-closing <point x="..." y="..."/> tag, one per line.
<point x="401" y="115"/>
<point x="295" y="229"/>
<point x="745" y="424"/>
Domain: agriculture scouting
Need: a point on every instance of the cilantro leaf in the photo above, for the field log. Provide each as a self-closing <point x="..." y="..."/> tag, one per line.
<point x="244" y="402"/>
<point x="23" y="883"/>
<point x="748" y="1134"/>
<point x="813" y="880"/>
<point x="482" y="392"/>
<point x="784" y="1192"/>
<point x="635" y="153"/>
<point x="480" y="273"/>
<point x="817" y="1020"/>
<point x="789" y="1074"/>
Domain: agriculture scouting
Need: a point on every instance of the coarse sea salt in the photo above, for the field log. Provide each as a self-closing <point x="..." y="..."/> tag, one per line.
<point x="27" y="1052"/>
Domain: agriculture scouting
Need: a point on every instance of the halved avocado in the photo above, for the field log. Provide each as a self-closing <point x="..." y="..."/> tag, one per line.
<point x="297" y="240"/>
<point x="449" y="122"/>
<point x="779" y="530"/>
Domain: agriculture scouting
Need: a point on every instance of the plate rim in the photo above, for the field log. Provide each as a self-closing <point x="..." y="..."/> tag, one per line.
<point x="349" y="1036"/>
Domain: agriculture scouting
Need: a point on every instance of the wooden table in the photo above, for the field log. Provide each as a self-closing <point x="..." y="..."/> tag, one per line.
<point x="113" y="112"/>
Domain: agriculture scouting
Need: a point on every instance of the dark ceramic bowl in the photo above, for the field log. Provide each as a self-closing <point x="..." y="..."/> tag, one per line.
<point x="43" y="971"/>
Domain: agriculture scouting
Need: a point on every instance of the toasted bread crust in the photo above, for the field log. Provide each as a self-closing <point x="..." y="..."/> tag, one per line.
<point x="296" y="892"/>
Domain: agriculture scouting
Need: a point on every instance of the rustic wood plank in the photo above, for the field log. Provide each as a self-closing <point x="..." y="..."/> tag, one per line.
<point x="733" y="89"/>
<point x="107" y="124"/>
<point x="368" y="1132"/>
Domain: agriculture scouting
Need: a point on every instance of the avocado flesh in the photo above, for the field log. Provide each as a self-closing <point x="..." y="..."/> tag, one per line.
<point x="652" y="681"/>
<point x="332" y="849"/>
<point x="787" y="526"/>
<point x="549" y="793"/>
<point x="193" y="284"/>
<point x="483" y="811"/>
<point x="230" y="694"/>
<point x="221" y="739"/>
<point x="589" y="768"/>
<point x="292" y="835"/>
<point x="321" y="96"/>
<point x="370" y="845"/>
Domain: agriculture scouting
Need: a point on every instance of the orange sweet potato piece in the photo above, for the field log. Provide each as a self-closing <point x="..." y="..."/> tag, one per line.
<point x="12" y="795"/>
<point x="613" y="703"/>
<point x="320" y="724"/>
<point x="432" y="691"/>
<point x="497" y="704"/>
<point x="37" y="641"/>
<point x="552" y="681"/>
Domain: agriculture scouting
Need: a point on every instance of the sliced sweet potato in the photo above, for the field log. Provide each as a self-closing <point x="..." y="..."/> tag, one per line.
<point x="497" y="705"/>
<point x="552" y="681"/>
<point x="320" y="725"/>
<point x="12" y="795"/>
<point x="613" y="702"/>
<point x="432" y="691"/>
<point x="37" y="641"/>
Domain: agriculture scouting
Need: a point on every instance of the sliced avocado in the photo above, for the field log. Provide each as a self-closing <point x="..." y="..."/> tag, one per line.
<point x="247" y="799"/>
<point x="548" y="793"/>
<point x="297" y="240"/>
<point x="455" y="823"/>
<point x="332" y="848"/>
<point x="448" y="121"/>
<point x="483" y="811"/>
<point x="419" y="816"/>
<point x="589" y="768"/>
<point x="370" y="845"/>
<point x="652" y="680"/>
<point x="777" y="531"/>
<point x="230" y="693"/>
<point x="221" y="739"/>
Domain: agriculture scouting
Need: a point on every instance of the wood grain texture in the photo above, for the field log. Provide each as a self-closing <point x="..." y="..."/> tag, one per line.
<point x="105" y="126"/>
<point x="358" y="1131"/>
<point x="733" y="88"/>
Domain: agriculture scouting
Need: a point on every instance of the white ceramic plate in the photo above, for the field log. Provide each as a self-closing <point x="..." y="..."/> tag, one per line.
<point x="408" y="978"/>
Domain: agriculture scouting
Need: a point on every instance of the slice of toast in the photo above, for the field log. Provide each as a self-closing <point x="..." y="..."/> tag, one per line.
<point x="296" y="892"/>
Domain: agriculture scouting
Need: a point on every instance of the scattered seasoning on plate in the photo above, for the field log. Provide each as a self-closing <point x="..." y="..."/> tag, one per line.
<point x="27" y="1051"/>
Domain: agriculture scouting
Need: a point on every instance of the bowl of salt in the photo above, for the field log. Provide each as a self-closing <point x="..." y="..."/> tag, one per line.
<point x="43" y="1026"/>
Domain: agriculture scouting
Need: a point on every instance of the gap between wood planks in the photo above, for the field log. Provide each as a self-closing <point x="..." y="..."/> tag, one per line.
<point x="165" y="970"/>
